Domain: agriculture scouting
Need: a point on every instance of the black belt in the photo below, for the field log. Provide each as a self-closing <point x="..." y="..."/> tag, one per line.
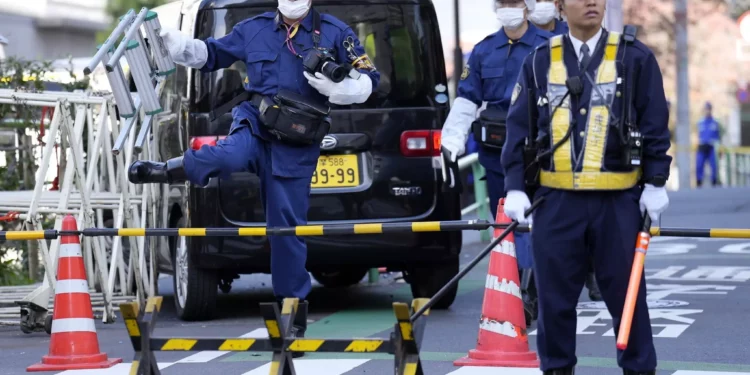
<point x="226" y="107"/>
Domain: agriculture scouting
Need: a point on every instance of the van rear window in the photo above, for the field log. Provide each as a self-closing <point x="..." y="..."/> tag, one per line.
<point x="401" y="40"/>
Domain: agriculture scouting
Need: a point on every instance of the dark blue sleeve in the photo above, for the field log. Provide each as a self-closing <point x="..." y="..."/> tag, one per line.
<point x="517" y="129"/>
<point x="652" y="117"/>
<point x="361" y="62"/>
<point x="227" y="50"/>
<point x="470" y="85"/>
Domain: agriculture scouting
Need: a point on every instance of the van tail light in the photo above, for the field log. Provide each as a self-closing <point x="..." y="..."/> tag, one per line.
<point x="416" y="143"/>
<point x="197" y="142"/>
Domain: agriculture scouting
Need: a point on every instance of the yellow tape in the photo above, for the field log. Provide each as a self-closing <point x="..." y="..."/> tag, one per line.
<point x="427" y="226"/>
<point x="131" y="232"/>
<point x="360" y="346"/>
<point x="368" y="228"/>
<point x="192" y="232"/>
<point x="28" y="235"/>
<point x="730" y="233"/>
<point x="179" y="344"/>
<point x="309" y="230"/>
<point x="237" y="344"/>
<point x="406" y="330"/>
<point x="154" y="303"/>
<point x="417" y="304"/>
<point x="274" y="368"/>
<point x="273" y="329"/>
<point x="306" y="345"/>
<point x="410" y="369"/>
<point x="134" y="368"/>
<point x="252" y="231"/>
<point x="129" y="310"/>
<point x="132" y="327"/>
<point x="289" y="305"/>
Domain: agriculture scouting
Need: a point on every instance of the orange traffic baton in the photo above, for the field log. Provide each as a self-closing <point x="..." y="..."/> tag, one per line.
<point x="641" y="247"/>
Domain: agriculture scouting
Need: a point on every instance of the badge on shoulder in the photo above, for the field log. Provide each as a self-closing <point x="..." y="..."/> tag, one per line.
<point x="516" y="93"/>
<point x="364" y="62"/>
<point x="465" y="73"/>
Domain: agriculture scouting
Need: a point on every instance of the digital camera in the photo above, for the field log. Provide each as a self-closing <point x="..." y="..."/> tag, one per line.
<point x="322" y="61"/>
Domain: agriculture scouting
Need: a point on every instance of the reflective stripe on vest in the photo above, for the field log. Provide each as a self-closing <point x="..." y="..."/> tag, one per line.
<point x="564" y="165"/>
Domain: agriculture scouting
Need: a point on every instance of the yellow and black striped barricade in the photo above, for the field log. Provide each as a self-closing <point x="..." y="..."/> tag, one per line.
<point x="404" y="343"/>
<point x="335" y="230"/>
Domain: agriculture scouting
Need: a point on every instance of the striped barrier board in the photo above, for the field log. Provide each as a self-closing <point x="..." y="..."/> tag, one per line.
<point x="338" y="229"/>
<point x="404" y="342"/>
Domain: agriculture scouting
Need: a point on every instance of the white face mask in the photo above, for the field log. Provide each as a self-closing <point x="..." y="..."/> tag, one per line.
<point x="543" y="14"/>
<point x="294" y="9"/>
<point x="511" y="18"/>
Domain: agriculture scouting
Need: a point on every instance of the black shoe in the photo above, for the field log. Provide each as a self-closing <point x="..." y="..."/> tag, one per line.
<point x="300" y="325"/>
<point x="144" y="172"/>
<point x="631" y="372"/>
<point x="594" y="293"/>
<point x="561" y="371"/>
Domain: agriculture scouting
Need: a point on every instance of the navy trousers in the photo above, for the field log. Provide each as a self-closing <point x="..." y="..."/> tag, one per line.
<point x="706" y="153"/>
<point x="496" y="190"/>
<point x="285" y="199"/>
<point x="569" y="228"/>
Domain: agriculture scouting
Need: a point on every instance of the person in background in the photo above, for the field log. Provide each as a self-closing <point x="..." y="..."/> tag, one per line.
<point x="489" y="77"/>
<point x="546" y="16"/>
<point x="709" y="138"/>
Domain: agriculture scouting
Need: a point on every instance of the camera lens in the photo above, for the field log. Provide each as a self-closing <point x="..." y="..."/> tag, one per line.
<point x="334" y="71"/>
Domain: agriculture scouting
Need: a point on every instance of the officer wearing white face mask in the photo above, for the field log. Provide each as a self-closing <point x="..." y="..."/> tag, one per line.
<point x="278" y="123"/>
<point x="546" y="16"/>
<point x="490" y="76"/>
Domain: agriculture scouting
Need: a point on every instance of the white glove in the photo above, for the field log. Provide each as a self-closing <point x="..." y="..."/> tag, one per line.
<point x="349" y="91"/>
<point x="455" y="131"/>
<point x="184" y="50"/>
<point x="516" y="204"/>
<point x="654" y="200"/>
<point x="454" y="146"/>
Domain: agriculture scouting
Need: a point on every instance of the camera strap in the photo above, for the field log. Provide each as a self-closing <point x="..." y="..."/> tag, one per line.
<point x="316" y="28"/>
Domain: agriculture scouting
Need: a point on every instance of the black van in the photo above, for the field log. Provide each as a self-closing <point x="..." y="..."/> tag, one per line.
<point x="384" y="150"/>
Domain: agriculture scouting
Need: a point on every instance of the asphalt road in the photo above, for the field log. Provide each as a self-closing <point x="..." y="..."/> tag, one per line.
<point x="698" y="304"/>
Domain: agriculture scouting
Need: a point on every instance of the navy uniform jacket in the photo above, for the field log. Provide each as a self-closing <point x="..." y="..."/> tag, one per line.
<point x="649" y="111"/>
<point x="492" y="71"/>
<point x="561" y="27"/>
<point x="708" y="131"/>
<point x="260" y="43"/>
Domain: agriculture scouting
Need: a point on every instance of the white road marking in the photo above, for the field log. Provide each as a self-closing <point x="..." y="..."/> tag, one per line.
<point x="210" y="355"/>
<point x="686" y="372"/>
<point x="316" y="366"/>
<point x="118" y="369"/>
<point x="469" y="370"/>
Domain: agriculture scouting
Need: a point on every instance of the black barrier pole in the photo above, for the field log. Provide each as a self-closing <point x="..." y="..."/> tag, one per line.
<point x="473" y="263"/>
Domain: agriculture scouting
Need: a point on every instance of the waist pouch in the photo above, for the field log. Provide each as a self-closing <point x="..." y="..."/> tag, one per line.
<point x="293" y="118"/>
<point x="489" y="129"/>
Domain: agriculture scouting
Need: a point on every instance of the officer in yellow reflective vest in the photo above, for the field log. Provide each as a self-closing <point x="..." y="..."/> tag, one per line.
<point x="587" y="124"/>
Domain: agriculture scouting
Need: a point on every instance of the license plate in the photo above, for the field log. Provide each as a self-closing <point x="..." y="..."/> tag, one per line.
<point x="335" y="171"/>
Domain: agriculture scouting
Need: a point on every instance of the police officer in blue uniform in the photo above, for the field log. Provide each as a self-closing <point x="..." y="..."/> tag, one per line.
<point x="546" y="16"/>
<point x="709" y="136"/>
<point x="489" y="77"/>
<point x="596" y="151"/>
<point x="296" y="59"/>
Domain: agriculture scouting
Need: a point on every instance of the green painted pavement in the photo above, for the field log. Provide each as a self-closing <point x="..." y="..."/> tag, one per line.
<point x="369" y="322"/>
<point x="596" y="362"/>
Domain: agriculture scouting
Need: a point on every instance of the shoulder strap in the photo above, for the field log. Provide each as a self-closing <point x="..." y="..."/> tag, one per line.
<point x="316" y="28"/>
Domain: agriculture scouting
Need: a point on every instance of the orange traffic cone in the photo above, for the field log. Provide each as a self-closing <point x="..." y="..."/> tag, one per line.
<point x="73" y="345"/>
<point x="503" y="340"/>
